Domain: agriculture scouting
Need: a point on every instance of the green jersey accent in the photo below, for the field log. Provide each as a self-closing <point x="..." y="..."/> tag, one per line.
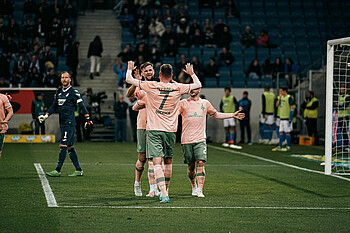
<point x="284" y="107"/>
<point x="269" y="102"/>
<point x="229" y="105"/>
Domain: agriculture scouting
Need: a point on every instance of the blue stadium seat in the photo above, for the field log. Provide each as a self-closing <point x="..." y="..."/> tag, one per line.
<point x="211" y="82"/>
<point x="169" y="60"/>
<point x="196" y="52"/>
<point x="253" y="83"/>
<point x="183" y="51"/>
<point x="219" y="13"/>
<point x="224" y="82"/>
<point x="206" y="13"/>
<point x="225" y="73"/>
<point x="209" y="52"/>
<point x="62" y="60"/>
<point x="262" y="54"/>
<point x="61" y="68"/>
<point x="238" y="84"/>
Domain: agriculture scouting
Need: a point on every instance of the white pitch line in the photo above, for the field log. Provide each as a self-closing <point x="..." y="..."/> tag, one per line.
<point x="276" y="162"/>
<point x="50" y="198"/>
<point x="212" y="207"/>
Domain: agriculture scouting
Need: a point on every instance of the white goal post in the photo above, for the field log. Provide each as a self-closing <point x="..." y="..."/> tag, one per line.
<point x="337" y="152"/>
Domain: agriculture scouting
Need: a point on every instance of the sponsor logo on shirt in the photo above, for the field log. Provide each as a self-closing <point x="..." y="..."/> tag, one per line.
<point x="61" y="101"/>
<point x="163" y="112"/>
<point x="195" y="115"/>
<point x="166" y="89"/>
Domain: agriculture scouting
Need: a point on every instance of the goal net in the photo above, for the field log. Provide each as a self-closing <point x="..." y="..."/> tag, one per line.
<point x="337" y="147"/>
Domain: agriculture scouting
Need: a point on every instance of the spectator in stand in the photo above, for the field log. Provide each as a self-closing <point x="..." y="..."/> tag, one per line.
<point x="28" y="29"/>
<point x="196" y="40"/>
<point x="55" y="4"/>
<point x="211" y="69"/>
<point x="182" y="77"/>
<point x="52" y="79"/>
<point x="68" y="10"/>
<point x="156" y="42"/>
<point x="67" y="29"/>
<point x="2" y="26"/>
<point x="156" y="28"/>
<point x="23" y="46"/>
<point x="194" y="27"/>
<point x="224" y="39"/>
<point x="157" y="15"/>
<point x="268" y="68"/>
<point x="120" y="69"/>
<point x="47" y="58"/>
<point x="95" y="54"/>
<point x="3" y="82"/>
<point x="167" y="35"/>
<point x="140" y="60"/>
<point x="278" y="68"/>
<point x="2" y="39"/>
<point x="208" y="24"/>
<point x="133" y="117"/>
<point x="55" y="25"/>
<point x="127" y="54"/>
<point x="142" y="50"/>
<point x="73" y="61"/>
<point x="35" y="63"/>
<point x="57" y="14"/>
<point x="226" y="58"/>
<point x="53" y="39"/>
<point x="197" y="67"/>
<point x="10" y="47"/>
<point x="19" y="78"/>
<point x="155" y="56"/>
<point x="263" y="39"/>
<point x="120" y="108"/>
<point x="140" y="29"/>
<point x="209" y="41"/>
<point x="39" y="43"/>
<point x="126" y="19"/>
<point x="231" y="10"/>
<point x="35" y="51"/>
<point x="182" y="38"/>
<point x="34" y="78"/>
<point x="171" y="49"/>
<point x="168" y="18"/>
<point x="6" y="8"/>
<point x="181" y="13"/>
<point x="30" y="7"/>
<point x="248" y="38"/>
<point x="64" y="48"/>
<point x="5" y="64"/>
<point x="44" y="14"/>
<point x="183" y="25"/>
<point x="19" y="63"/>
<point x="254" y="71"/>
<point x="290" y="70"/>
<point x="40" y="28"/>
<point x="13" y="29"/>
<point x="129" y="4"/>
<point x="142" y="14"/>
<point x="219" y="29"/>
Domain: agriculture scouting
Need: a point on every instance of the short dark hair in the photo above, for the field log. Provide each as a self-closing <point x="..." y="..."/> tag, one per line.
<point x="166" y="70"/>
<point x="267" y="86"/>
<point x="228" y="88"/>
<point x="144" y="65"/>
<point x="312" y="93"/>
<point x="284" y="88"/>
<point x="245" y="93"/>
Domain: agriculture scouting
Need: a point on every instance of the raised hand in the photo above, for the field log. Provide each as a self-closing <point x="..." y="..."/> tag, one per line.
<point x="238" y="115"/>
<point x="189" y="69"/>
<point x="131" y="65"/>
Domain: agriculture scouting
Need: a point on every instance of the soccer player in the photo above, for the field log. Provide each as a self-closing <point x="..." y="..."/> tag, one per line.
<point x="285" y="105"/>
<point x="5" y="106"/>
<point x="162" y="119"/>
<point x="267" y="113"/>
<point x="66" y="101"/>
<point x="147" y="74"/>
<point x="229" y="104"/>
<point x="193" y="137"/>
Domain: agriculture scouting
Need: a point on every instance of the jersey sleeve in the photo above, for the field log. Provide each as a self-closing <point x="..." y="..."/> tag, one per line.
<point x="145" y="86"/>
<point x="184" y="88"/>
<point x="54" y="104"/>
<point x="181" y="105"/>
<point x="6" y="102"/>
<point x="210" y="109"/>
<point x="78" y="100"/>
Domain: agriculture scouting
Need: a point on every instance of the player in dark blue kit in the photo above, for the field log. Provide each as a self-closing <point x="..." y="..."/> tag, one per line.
<point x="66" y="101"/>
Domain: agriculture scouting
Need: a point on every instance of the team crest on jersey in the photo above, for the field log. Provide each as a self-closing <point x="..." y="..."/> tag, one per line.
<point x="61" y="101"/>
<point x="203" y="108"/>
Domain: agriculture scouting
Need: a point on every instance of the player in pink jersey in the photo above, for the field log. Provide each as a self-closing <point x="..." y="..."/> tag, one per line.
<point x="147" y="74"/>
<point x="193" y="138"/>
<point x="162" y="116"/>
<point x="5" y="105"/>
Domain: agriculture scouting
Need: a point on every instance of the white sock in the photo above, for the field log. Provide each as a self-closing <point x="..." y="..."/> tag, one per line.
<point x="153" y="187"/>
<point x="137" y="183"/>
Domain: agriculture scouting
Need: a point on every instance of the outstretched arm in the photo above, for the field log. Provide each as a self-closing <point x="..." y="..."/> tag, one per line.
<point x="238" y="115"/>
<point x="131" y="91"/>
<point x="196" y="83"/>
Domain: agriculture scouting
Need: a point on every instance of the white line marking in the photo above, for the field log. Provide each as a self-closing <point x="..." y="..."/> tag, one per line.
<point x="212" y="207"/>
<point x="275" y="162"/>
<point x="179" y="164"/>
<point x="50" y="198"/>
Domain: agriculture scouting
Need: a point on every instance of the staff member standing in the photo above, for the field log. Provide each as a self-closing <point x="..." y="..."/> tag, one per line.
<point x="310" y="106"/>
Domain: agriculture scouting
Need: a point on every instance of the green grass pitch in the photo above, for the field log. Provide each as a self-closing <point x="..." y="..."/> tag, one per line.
<point x="241" y="193"/>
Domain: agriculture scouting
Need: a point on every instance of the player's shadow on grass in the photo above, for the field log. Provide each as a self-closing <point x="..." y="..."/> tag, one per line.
<point x="292" y="185"/>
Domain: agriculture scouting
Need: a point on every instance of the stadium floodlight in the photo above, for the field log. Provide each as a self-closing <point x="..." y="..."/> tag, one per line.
<point x="337" y="146"/>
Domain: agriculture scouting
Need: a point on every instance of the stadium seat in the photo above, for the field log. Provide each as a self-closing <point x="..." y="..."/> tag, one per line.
<point x="169" y="60"/>
<point x="224" y="82"/>
<point x="183" y="51"/>
<point x="211" y="82"/>
<point x="238" y="84"/>
<point x="209" y="52"/>
<point x="207" y="13"/>
<point x="225" y="73"/>
<point x="253" y="83"/>
<point x="195" y="52"/>
<point x="238" y="75"/>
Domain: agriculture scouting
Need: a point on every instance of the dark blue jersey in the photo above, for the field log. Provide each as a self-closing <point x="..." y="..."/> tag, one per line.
<point x="66" y="101"/>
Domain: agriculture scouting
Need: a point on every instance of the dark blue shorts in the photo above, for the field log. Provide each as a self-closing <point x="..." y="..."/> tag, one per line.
<point x="67" y="135"/>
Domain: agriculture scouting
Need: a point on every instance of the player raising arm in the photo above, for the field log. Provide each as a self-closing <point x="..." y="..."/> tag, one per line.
<point x="65" y="101"/>
<point x="193" y="137"/>
<point x="5" y="105"/>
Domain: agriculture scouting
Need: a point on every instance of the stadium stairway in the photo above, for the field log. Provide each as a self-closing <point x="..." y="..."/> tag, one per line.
<point x="104" y="24"/>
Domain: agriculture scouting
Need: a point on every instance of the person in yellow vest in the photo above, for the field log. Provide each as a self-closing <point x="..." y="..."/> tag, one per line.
<point x="310" y="106"/>
<point x="343" y="105"/>
<point x="285" y="104"/>
<point x="267" y="114"/>
<point x="229" y="104"/>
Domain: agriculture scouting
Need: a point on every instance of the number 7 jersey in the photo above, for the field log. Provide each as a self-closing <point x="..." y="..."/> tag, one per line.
<point x="162" y="104"/>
